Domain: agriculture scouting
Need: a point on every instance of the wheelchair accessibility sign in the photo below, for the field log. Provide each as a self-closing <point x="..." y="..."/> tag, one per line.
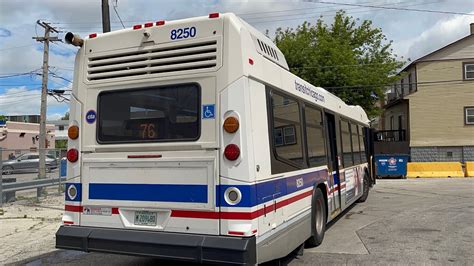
<point x="208" y="111"/>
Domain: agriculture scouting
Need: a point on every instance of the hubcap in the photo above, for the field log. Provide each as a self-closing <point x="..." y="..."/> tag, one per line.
<point x="319" y="216"/>
<point x="7" y="170"/>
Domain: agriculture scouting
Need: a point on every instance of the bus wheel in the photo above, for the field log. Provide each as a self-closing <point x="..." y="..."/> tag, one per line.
<point x="366" y="188"/>
<point x="318" y="219"/>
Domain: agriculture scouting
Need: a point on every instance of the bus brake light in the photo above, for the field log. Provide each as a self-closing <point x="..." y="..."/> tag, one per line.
<point x="232" y="152"/>
<point x="149" y="24"/>
<point x="160" y="23"/>
<point x="214" y="15"/>
<point x="72" y="155"/>
<point x="137" y="27"/>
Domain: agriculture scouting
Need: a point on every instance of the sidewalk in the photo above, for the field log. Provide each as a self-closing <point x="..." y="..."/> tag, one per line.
<point x="28" y="227"/>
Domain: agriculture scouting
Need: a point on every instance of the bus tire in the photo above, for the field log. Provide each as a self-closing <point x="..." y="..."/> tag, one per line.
<point x="318" y="218"/>
<point x="366" y="188"/>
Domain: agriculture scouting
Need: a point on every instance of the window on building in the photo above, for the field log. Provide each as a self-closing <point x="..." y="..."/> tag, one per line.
<point x="469" y="115"/>
<point x="469" y="71"/>
<point x="315" y="137"/>
<point x="287" y="129"/>
<point x="346" y="144"/>
<point x="61" y="127"/>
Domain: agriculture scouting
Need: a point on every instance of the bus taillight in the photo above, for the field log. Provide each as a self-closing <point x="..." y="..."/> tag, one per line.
<point x="232" y="152"/>
<point x="72" y="155"/>
<point x="231" y="124"/>
<point x="73" y="132"/>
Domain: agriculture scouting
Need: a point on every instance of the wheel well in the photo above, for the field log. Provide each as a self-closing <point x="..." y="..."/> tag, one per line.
<point x="322" y="187"/>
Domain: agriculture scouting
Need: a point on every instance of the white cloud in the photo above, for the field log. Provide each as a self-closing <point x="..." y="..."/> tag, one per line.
<point x="440" y="34"/>
<point x="55" y="116"/>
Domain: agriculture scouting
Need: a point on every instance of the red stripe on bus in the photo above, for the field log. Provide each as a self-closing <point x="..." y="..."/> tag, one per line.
<point x="220" y="215"/>
<point x="194" y="214"/>
<point x="236" y="233"/>
<point x="72" y="208"/>
<point x="68" y="222"/>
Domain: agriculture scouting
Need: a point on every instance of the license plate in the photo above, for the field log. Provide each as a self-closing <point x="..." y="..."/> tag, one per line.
<point x="145" y="218"/>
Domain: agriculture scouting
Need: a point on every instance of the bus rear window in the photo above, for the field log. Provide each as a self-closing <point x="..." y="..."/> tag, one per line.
<point x="169" y="113"/>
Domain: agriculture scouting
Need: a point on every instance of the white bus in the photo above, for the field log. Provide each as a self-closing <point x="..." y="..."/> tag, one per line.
<point x="191" y="140"/>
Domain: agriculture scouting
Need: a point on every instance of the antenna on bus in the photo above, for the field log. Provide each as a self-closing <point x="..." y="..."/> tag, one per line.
<point x="73" y="39"/>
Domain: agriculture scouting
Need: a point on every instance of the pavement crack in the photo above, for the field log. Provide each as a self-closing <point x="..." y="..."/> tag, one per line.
<point x="365" y="246"/>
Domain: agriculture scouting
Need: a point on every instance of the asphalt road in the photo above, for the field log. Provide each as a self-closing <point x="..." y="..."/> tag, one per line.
<point x="415" y="221"/>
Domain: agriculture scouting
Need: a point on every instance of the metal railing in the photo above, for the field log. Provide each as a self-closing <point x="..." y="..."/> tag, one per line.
<point x="19" y="171"/>
<point x="390" y="135"/>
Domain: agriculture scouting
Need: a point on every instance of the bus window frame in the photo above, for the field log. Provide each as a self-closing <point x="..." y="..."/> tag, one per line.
<point x="278" y="161"/>
<point x="199" y="119"/>
<point x="323" y="130"/>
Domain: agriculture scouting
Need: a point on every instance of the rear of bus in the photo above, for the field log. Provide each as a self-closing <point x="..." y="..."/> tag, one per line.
<point x="143" y="151"/>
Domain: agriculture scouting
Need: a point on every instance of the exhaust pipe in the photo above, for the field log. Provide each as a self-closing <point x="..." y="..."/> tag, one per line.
<point x="73" y="39"/>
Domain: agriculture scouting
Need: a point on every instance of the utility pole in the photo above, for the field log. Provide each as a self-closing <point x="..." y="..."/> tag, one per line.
<point x="105" y="16"/>
<point x="44" y="91"/>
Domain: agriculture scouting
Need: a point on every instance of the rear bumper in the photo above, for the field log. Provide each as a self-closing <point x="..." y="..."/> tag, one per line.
<point x="188" y="247"/>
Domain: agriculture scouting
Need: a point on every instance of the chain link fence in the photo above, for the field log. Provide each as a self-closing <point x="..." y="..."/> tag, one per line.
<point x="20" y="172"/>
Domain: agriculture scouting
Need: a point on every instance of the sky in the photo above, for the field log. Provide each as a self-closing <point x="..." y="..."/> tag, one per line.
<point x="414" y="34"/>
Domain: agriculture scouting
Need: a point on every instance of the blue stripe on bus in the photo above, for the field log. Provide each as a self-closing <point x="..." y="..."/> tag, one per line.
<point x="252" y="195"/>
<point x="148" y="192"/>
<point x="256" y="194"/>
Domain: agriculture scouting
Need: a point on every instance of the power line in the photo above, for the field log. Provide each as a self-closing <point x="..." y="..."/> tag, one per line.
<point x="116" y="12"/>
<point x="20" y="74"/>
<point x="398" y="8"/>
<point x="19" y="101"/>
<point x="322" y="14"/>
<point x="54" y="75"/>
<point x="31" y="84"/>
<point x="425" y="83"/>
<point x="19" y="92"/>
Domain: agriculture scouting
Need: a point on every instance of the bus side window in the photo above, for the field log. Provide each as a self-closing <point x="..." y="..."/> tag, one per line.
<point x="363" y="156"/>
<point x="346" y="144"/>
<point x="315" y="137"/>
<point x="355" y="144"/>
<point x="287" y="129"/>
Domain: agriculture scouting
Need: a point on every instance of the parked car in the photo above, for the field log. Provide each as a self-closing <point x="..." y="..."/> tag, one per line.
<point x="28" y="162"/>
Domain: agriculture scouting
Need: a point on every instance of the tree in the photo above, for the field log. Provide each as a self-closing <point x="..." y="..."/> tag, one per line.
<point x="66" y="116"/>
<point x="353" y="61"/>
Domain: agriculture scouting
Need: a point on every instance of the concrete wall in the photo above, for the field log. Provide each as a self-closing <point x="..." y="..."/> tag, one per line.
<point x="442" y="154"/>
<point x="437" y="109"/>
